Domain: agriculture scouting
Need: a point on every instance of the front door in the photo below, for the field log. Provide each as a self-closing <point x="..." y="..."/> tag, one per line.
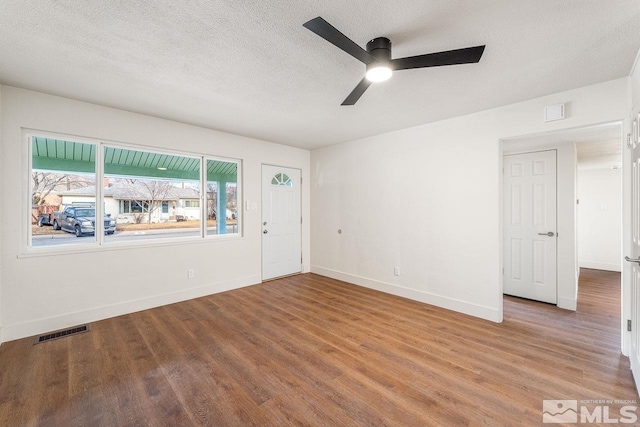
<point x="530" y="230"/>
<point x="281" y="222"/>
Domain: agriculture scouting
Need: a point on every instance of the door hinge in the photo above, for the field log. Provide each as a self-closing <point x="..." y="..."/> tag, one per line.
<point x="629" y="325"/>
<point x="300" y="220"/>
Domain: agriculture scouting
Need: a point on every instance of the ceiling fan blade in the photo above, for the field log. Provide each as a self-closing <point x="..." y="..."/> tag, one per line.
<point x="468" y="55"/>
<point x="357" y="92"/>
<point x="335" y="37"/>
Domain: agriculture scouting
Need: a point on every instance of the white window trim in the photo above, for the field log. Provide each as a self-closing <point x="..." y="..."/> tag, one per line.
<point x="98" y="244"/>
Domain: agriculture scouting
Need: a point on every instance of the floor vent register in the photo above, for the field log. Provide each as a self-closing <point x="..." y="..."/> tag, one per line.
<point x="61" y="334"/>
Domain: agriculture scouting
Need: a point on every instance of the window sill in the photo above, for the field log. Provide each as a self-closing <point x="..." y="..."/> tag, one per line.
<point x="34" y="252"/>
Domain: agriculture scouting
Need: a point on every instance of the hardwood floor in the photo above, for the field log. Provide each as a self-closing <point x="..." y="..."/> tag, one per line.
<point x="308" y="350"/>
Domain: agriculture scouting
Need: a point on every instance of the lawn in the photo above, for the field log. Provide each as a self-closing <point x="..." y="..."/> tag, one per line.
<point x="48" y="230"/>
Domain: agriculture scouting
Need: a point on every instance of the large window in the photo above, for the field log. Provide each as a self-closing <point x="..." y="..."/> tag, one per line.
<point x="63" y="174"/>
<point x="190" y="203"/>
<point x="149" y="191"/>
<point x="144" y="194"/>
<point x="132" y="206"/>
<point x="222" y="197"/>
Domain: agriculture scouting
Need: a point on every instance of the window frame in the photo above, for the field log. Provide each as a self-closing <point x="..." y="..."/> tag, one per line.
<point x="99" y="244"/>
<point x="204" y="201"/>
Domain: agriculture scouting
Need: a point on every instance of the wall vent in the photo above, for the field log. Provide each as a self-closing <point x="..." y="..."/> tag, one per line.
<point x="61" y="334"/>
<point x="553" y="113"/>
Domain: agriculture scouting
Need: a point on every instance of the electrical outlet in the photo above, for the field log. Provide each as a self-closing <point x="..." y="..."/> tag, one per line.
<point x="190" y="273"/>
<point x="396" y="271"/>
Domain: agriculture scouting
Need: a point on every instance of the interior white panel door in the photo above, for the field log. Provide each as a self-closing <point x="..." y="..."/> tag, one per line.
<point x="281" y="222"/>
<point x="634" y="348"/>
<point x="530" y="232"/>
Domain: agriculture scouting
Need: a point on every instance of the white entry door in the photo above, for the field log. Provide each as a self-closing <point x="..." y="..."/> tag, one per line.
<point x="281" y="222"/>
<point x="634" y="347"/>
<point x="530" y="230"/>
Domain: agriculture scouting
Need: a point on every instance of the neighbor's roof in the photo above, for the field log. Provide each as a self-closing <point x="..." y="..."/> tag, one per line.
<point x="126" y="191"/>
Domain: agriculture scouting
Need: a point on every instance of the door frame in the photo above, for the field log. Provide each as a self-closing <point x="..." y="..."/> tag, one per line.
<point x="627" y="237"/>
<point x="566" y="255"/>
<point x="625" y="125"/>
<point x="302" y="269"/>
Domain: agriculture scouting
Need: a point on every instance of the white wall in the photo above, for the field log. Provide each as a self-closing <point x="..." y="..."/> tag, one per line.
<point x="600" y="219"/>
<point x="111" y="206"/>
<point x="42" y="293"/>
<point x="567" y="254"/>
<point x="1" y="217"/>
<point x="428" y="199"/>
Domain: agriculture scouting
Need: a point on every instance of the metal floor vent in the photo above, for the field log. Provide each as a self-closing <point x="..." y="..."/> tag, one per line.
<point x="61" y="334"/>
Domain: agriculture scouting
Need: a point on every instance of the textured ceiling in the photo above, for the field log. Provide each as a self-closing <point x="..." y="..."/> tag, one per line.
<point x="597" y="147"/>
<point x="250" y="68"/>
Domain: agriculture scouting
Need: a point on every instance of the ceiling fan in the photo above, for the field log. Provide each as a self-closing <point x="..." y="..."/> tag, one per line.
<point x="378" y="60"/>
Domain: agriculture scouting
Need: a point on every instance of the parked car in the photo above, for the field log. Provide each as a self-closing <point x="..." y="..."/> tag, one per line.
<point x="82" y="221"/>
<point x="230" y="214"/>
<point x="53" y="218"/>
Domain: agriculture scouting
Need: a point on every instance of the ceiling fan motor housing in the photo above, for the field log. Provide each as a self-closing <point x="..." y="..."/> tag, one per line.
<point x="379" y="48"/>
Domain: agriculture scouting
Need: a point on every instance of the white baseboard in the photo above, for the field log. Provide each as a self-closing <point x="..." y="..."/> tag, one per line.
<point x="465" y="307"/>
<point x="40" y="326"/>
<point x="600" y="265"/>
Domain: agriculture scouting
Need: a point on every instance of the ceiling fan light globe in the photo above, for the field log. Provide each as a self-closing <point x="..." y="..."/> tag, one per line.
<point x="378" y="74"/>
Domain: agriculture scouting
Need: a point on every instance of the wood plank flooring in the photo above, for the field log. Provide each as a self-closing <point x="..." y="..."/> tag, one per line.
<point x="308" y="350"/>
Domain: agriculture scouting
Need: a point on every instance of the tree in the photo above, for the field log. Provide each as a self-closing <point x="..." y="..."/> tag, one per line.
<point x="157" y="191"/>
<point x="46" y="182"/>
<point x="212" y="200"/>
<point x="232" y="196"/>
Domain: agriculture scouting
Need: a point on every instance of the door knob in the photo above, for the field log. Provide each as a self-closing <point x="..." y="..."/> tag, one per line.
<point x="632" y="260"/>
<point x="265" y="231"/>
<point x="550" y="234"/>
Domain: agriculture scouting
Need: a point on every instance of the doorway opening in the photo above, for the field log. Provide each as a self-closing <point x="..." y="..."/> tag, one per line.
<point x="589" y="209"/>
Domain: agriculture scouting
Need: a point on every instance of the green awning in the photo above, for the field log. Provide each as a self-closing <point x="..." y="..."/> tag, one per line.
<point x="67" y="156"/>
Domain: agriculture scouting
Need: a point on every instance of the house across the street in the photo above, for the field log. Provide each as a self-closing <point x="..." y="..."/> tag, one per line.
<point x="132" y="202"/>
